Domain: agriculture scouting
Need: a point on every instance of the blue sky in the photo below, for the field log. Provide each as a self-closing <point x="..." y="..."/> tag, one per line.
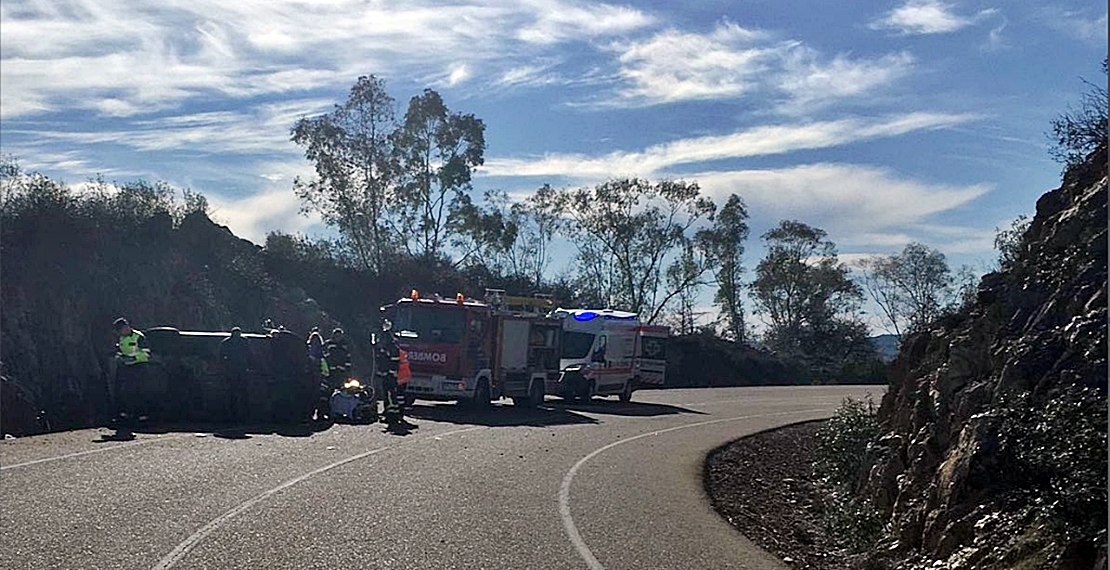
<point x="880" y="122"/>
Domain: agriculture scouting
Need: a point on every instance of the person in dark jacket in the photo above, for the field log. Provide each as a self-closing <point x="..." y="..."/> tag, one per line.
<point x="235" y="360"/>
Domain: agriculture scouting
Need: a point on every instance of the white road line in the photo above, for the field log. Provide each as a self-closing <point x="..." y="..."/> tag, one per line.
<point x="91" y="451"/>
<point x="564" y="489"/>
<point x="189" y="543"/>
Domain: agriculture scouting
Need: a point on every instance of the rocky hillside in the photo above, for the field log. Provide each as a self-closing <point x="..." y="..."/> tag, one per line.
<point x="994" y="453"/>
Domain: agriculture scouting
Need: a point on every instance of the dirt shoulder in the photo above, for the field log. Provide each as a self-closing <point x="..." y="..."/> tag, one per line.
<point x="762" y="486"/>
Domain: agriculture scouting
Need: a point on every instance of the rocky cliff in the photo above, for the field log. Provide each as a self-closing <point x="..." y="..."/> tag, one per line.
<point x="994" y="445"/>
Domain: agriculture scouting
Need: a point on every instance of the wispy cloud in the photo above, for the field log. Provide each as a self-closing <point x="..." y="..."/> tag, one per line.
<point x="862" y="205"/>
<point x="927" y="17"/>
<point x="757" y="141"/>
<point x="673" y="65"/>
<point x="260" y="130"/>
<point x="811" y="82"/>
<point x="1083" y="25"/>
<point x="531" y="75"/>
<point x="732" y="61"/>
<point x="120" y="59"/>
<point x="558" y="21"/>
<point x="995" y="40"/>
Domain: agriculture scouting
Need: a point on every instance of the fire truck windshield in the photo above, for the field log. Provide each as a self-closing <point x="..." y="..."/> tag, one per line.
<point x="431" y="324"/>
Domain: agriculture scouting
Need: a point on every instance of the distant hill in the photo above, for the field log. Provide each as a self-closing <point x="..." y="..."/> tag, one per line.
<point x="886" y="345"/>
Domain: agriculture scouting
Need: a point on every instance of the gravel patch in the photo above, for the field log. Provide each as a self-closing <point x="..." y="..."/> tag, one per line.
<point x="763" y="486"/>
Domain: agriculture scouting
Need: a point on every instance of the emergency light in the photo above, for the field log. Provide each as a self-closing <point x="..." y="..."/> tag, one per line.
<point x="414" y="295"/>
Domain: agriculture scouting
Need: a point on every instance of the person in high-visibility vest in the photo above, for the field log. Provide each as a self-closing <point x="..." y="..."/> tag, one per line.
<point x="321" y="372"/>
<point x="132" y="344"/>
<point x="390" y="367"/>
<point x="131" y="350"/>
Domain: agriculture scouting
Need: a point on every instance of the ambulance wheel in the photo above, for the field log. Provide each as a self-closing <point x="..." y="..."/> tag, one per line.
<point x="626" y="394"/>
<point x="585" y="391"/>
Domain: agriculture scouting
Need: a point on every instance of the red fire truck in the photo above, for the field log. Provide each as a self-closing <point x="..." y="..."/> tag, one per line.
<point x="474" y="351"/>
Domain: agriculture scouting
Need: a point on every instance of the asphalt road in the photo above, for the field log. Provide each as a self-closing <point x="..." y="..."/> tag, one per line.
<point x="598" y="485"/>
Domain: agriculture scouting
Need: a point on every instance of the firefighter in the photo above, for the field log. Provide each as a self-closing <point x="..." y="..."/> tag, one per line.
<point x="337" y="354"/>
<point x="337" y="359"/>
<point x="387" y="366"/>
<point x="131" y="350"/>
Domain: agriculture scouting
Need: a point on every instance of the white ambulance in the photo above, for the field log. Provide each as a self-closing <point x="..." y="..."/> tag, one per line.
<point x="606" y="352"/>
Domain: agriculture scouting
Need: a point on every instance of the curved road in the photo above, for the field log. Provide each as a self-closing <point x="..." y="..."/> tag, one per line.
<point x="598" y="485"/>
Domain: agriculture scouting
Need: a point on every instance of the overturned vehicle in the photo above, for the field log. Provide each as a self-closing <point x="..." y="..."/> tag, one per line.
<point x="185" y="379"/>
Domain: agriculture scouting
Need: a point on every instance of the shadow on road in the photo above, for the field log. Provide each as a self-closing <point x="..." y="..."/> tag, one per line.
<point x="219" y="430"/>
<point x="498" y="415"/>
<point x="616" y="408"/>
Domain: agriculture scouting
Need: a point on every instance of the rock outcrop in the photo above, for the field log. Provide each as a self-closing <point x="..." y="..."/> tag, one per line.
<point x="995" y="420"/>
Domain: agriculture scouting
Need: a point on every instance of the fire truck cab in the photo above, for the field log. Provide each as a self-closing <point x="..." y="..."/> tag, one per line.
<point x="471" y="351"/>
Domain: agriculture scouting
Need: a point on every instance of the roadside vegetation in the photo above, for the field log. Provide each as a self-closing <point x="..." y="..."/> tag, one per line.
<point x="844" y="450"/>
<point x="996" y="458"/>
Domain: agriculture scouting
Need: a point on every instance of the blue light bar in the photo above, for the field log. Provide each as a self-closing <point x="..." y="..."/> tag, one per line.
<point x="586" y="316"/>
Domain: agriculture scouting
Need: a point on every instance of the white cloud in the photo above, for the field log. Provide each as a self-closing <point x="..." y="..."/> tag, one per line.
<point x="530" y="76"/>
<point x="559" y="21"/>
<point x="459" y="73"/>
<point x="927" y="17"/>
<point x="757" y="141"/>
<point x="255" y="216"/>
<point x="862" y="205"/>
<point x="811" y="82"/>
<point x="673" y="65"/>
<point x="732" y="61"/>
<point x="123" y="58"/>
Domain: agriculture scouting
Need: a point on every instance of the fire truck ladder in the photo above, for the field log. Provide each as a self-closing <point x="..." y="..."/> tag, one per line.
<point x="537" y="304"/>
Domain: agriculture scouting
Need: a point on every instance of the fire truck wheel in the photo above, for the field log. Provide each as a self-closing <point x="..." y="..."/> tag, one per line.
<point x="481" y="395"/>
<point x="533" y="399"/>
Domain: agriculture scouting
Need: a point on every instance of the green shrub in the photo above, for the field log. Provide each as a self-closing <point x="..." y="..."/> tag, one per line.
<point x="1056" y="458"/>
<point x="852" y="520"/>
<point x="843" y="456"/>
<point x="843" y="442"/>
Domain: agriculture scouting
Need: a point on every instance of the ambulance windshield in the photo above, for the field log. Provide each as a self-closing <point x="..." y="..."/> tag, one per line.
<point x="577" y="344"/>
